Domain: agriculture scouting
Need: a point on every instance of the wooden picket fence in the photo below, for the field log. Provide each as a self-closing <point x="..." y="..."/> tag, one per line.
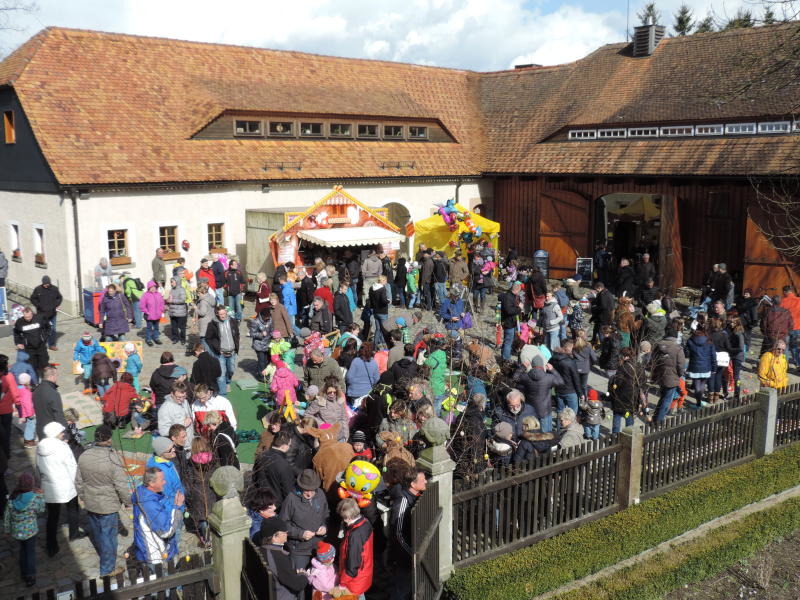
<point x="787" y="429"/>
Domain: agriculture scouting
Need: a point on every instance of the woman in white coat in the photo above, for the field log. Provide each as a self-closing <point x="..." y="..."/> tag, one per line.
<point x="58" y="469"/>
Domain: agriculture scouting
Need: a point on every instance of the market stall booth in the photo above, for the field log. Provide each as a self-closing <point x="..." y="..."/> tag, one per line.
<point x="454" y="228"/>
<point x="335" y="223"/>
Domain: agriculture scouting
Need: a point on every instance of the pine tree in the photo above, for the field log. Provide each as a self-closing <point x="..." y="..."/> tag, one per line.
<point x="649" y="15"/>
<point x="741" y="20"/>
<point x="683" y="21"/>
<point x="769" y="16"/>
<point x="705" y="26"/>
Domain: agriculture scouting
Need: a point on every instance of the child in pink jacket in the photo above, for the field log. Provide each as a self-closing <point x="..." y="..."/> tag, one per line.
<point x="322" y="574"/>
<point x="152" y="306"/>
<point x="24" y="402"/>
<point x="283" y="381"/>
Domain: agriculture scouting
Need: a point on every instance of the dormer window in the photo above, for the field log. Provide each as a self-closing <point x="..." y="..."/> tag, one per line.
<point x="247" y="127"/>
<point x="611" y="133"/>
<point x="677" y="131"/>
<point x="310" y="129"/>
<point x="740" y="128"/>
<point x="709" y="130"/>
<point x="775" y="127"/>
<point x="583" y="134"/>
<point x="341" y="130"/>
<point x="368" y="131"/>
<point x="643" y="132"/>
<point x="394" y="132"/>
<point x="418" y="133"/>
<point x="281" y="128"/>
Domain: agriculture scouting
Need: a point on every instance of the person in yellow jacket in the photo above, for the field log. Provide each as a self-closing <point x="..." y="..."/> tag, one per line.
<point x="773" y="367"/>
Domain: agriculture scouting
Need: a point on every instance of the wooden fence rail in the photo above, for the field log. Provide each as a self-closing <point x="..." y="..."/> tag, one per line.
<point x="787" y="427"/>
<point x="692" y="446"/>
<point x="514" y="507"/>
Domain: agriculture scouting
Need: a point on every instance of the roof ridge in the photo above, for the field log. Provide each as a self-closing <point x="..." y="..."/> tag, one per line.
<point x="162" y="39"/>
<point x="23" y="53"/>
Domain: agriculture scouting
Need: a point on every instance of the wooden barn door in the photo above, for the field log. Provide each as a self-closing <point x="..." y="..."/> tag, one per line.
<point x="564" y="229"/>
<point x="764" y="266"/>
<point x="670" y="250"/>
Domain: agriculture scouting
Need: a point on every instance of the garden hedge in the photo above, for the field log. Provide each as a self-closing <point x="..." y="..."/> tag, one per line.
<point x="695" y="560"/>
<point x="557" y="561"/>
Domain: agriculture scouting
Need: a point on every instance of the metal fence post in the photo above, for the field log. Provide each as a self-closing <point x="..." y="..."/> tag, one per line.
<point x="765" y="422"/>
<point x="229" y="526"/>
<point x="436" y="461"/>
<point x="629" y="466"/>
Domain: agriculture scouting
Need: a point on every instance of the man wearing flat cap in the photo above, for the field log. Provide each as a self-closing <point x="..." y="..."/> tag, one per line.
<point x="306" y="514"/>
<point x="290" y="580"/>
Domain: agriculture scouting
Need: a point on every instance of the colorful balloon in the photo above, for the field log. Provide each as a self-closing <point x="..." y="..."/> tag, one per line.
<point x="360" y="480"/>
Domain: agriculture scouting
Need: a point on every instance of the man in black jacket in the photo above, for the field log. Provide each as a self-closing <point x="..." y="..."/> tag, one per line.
<point x="30" y="334"/>
<point x="536" y="381"/>
<point x="46" y="298"/>
<point x="645" y="270"/>
<point x="441" y="270"/>
<point x="47" y="402"/>
<point x="289" y="582"/>
<point x="222" y="336"/>
<point x="602" y="309"/>
<point x="321" y="320"/>
<point x="271" y="469"/>
<point x="509" y="310"/>
<point x="570" y="392"/>
<point x="404" y="496"/>
<point x="305" y="294"/>
<point x="341" y="308"/>
<point x="205" y="369"/>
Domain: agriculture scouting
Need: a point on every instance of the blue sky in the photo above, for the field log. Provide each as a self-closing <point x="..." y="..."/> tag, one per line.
<point x="472" y="34"/>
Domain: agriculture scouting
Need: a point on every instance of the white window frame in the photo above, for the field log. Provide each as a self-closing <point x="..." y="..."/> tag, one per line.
<point x="730" y="128"/>
<point x="775" y="127"/>
<point x="671" y="131"/>
<point x="14" y="231"/>
<point x="718" y="129"/>
<point x="616" y="133"/>
<point x="39" y="241"/>
<point x="643" y="132"/>
<point x="582" y="134"/>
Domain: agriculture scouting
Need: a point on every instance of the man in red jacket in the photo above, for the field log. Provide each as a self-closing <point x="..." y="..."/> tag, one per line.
<point x="776" y="325"/>
<point x="207" y="273"/>
<point x="355" y="552"/>
<point x="791" y="302"/>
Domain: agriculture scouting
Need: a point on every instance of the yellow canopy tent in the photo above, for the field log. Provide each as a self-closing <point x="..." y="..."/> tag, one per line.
<point x="434" y="233"/>
<point x="643" y="207"/>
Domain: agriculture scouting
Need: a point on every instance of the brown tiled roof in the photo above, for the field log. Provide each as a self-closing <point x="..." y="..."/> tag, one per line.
<point x="686" y="80"/>
<point x="109" y="108"/>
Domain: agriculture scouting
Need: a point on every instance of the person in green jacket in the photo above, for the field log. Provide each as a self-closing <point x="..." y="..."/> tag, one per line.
<point x="20" y="521"/>
<point x="133" y="294"/>
<point x="412" y="283"/>
<point x="436" y="361"/>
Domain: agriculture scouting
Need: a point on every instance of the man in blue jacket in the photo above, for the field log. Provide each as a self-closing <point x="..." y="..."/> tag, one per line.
<point x="451" y="310"/>
<point x="85" y="349"/>
<point x="164" y="452"/>
<point x="156" y="518"/>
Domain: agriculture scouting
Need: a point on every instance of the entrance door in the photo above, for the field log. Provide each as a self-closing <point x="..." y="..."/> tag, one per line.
<point x="670" y="251"/>
<point x="564" y="230"/>
<point x="260" y="225"/>
<point x="425" y="518"/>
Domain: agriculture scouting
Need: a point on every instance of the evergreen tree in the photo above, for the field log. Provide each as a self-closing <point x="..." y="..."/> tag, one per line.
<point x="705" y="26"/>
<point x="649" y="15"/>
<point x="769" y="16"/>
<point x="741" y="20"/>
<point x="683" y="21"/>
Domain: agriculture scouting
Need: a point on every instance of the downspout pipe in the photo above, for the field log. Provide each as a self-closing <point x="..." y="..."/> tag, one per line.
<point x="458" y="186"/>
<point x="73" y="194"/>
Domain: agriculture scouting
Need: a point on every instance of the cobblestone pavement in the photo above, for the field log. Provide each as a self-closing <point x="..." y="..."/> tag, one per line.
<point x="78" y="559"/>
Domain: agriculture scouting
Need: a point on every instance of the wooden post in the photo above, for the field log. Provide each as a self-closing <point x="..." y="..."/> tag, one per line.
<point x="766" y="420"/>
<point x="629" y="466"/>
<point x="229" y="526"/>
<point x="436" y="461"/>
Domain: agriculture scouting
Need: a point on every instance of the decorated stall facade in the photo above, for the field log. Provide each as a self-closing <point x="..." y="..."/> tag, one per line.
<point x="336" y="222"/>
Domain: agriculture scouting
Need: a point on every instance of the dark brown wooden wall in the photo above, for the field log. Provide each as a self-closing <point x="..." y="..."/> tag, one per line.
<point x="712" y="214"/>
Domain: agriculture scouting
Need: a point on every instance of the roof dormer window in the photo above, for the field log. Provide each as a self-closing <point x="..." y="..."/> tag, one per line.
<point x="281" y="128"/>
<point x="640" y="132"/>
<point x="310" y="129"/>
<point x="740" y="128"/>
<point x="416" y="132"/>
<point x="341" y="130"/>
<point x="677" y="131"/>
<point x="583" y="134"/>
<point x="393" y="132"/>
<point x="709" y="130"/>
<point x="247" y="127"/>
<point x="611" y="133"/>
<point x="775" y="127"/>
<point x="368" y="131"/>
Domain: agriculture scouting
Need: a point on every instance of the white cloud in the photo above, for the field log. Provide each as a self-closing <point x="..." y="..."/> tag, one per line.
<point x="471" y="34"/>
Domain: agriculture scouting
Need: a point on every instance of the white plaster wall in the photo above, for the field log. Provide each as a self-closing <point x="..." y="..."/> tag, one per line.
<point x="53" y="213"/>
<point x="142" y="212"/>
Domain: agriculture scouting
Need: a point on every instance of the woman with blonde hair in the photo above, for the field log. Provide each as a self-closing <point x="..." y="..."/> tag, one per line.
<point x="773" y="367"/>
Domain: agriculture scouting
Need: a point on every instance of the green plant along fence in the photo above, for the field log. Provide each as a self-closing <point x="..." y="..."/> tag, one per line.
<point x="787" y="427"/>
<point x="693" y="445"/>
<point x="514" y="507"/>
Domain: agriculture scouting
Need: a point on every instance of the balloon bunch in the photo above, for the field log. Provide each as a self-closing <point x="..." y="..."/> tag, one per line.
<point x="449" y="213"/>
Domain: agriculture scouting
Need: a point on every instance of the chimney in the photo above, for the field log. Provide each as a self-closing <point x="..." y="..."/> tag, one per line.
<point x="646" y="38"/>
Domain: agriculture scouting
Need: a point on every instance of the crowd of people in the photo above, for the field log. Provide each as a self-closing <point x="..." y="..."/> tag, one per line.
<point x="495" y="387"/>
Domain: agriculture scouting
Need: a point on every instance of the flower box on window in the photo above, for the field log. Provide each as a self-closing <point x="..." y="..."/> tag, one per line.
<point x="120" y="260"/>
<point x="218" y="251"/>
<point x="39" y="258"/>
<point x="172" y="255"/>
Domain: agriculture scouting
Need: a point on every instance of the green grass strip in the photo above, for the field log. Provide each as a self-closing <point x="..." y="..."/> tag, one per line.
<point x="696" y="560"/>
<point x="557" y="561"/>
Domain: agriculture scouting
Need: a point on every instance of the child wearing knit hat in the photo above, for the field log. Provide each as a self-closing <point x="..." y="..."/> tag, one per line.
<point x="322" y="574"/>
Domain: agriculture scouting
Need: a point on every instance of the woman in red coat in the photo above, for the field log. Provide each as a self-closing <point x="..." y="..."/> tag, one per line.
<point x="117" y="402"/>
<point x="355" y="552"/>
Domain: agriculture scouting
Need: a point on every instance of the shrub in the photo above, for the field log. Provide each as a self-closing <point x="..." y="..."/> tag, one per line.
<point x="559" y="560"/>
